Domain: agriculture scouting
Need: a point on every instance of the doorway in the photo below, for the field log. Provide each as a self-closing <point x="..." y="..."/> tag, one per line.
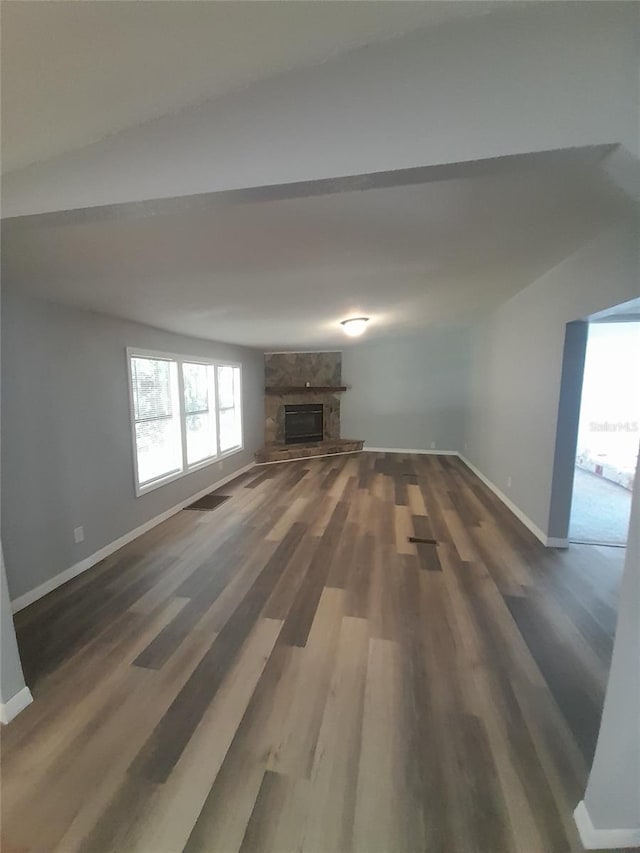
<point x="608" y="434"/>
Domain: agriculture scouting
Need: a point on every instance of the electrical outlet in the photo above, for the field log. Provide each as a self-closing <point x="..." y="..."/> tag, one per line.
<point x="508" y="482"/>
<point x="78" y="535"/>
<point x="433" y="444"/>
<point x="466" y="446"/>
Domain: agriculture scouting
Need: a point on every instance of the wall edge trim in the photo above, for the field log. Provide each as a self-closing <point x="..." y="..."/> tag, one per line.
<point x="9" y="710"/>
<point x="62" y="577"/>
<point x="547" y="541"/>
<point x="368" y="449"/>
<point x="593" y="838"/>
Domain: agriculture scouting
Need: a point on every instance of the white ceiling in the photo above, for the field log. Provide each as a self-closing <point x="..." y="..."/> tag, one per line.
<point x="282" y="274"/>
<point x="75" y="72"/>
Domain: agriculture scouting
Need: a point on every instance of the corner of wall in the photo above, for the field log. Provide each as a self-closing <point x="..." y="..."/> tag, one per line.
<point x="602" y="839"/>
<point x="10" y="710"/>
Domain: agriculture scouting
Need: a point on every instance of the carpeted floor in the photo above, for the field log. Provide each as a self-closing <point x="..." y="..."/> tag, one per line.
<point x="600" y="510"/>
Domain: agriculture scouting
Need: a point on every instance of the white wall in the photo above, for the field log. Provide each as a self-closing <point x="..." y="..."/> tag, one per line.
<point x="517" y="366"/>
<point x="545" y="76"/>
<point x="407" y="393"/>
<point x="612" y="798"/>
<point x="67" y="456"/>
<point x="11" y="677"/>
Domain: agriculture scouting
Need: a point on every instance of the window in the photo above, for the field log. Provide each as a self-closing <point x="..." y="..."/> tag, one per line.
<point x="157" y="422"/>
<point x="185" y="413"/>
<point x="200" y="411"/>
<point x="229" y="407"/>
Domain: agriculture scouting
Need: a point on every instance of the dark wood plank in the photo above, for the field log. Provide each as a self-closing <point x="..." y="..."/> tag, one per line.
<point x="563" y="675"/>
<point x="359" y="579"/>
<point x="167" y="641"/>
<point x="429" y="558"/>
<point x="483" y="803"/>
<point x="425" y="764"/>
<point x="400" y="491"/>
<point x="295" y="630"/>
<point x="269" y="474"/>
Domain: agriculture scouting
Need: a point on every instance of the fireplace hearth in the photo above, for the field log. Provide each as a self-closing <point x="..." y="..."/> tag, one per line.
<point x="303" y="423"/>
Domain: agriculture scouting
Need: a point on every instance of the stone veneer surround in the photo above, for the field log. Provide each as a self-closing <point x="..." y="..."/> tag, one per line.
<point x="296" y="369"/>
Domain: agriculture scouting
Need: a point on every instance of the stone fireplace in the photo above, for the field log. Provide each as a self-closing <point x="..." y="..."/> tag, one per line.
<point x="286" y="378"/>
<point x="302" y="406"/>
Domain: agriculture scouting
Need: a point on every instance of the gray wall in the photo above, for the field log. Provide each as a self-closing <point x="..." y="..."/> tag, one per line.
<point x="11" y="677"/>
<point x="568" y="422"/>
<point x="517" y="366"/>
<point x="66" y="438"/>
<point x="407" y="393"/>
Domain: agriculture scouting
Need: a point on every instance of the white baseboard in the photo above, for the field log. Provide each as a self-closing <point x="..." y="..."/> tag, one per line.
<point x="549" y="541"/>
<point x="602" y="839"/>
<point x="53" y="583"/>
<point x="11" y="709"/>
<point x="407" y="450"/>
<point x="555" y="542"/>
<point x="366" y="450"/>
<point x="62" y="577"/>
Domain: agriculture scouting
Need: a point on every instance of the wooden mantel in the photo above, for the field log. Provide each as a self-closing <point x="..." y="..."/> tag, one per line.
<point x="303" y="389"/>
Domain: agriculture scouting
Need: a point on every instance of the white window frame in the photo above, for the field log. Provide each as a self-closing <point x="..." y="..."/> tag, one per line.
<point x="227" y="408"/>
<point x="179" y="359"/>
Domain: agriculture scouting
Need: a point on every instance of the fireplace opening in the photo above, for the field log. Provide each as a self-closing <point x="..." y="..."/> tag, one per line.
<point x="303" y="423"/>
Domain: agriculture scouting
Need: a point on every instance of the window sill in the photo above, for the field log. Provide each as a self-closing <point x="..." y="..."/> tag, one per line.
<point x="178" y="475"/>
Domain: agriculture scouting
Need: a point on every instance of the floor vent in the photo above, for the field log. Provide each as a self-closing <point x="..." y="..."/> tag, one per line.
<point x="208" y="502"/>
<point x="418" y="541"/>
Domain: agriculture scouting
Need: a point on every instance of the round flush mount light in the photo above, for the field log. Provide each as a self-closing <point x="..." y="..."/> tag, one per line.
<point x="355" y="326"/>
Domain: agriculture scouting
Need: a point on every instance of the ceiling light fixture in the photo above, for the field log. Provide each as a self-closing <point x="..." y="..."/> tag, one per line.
<point x="355" y="326"/>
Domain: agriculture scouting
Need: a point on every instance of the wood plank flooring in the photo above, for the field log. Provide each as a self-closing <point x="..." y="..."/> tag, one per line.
<point x="292" y="673"/>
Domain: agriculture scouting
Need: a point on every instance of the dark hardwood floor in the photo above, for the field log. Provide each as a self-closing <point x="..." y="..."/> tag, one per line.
<point x="289" y="672"/>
